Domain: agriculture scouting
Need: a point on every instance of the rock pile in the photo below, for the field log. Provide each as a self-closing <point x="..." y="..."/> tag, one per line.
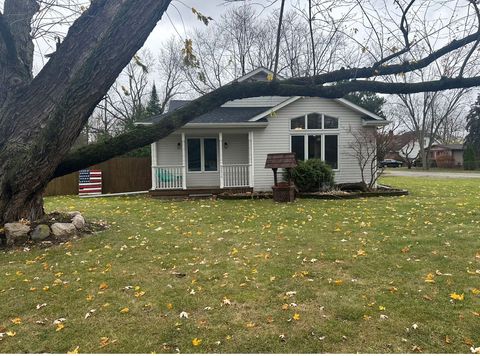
<point x="55" y="228"/>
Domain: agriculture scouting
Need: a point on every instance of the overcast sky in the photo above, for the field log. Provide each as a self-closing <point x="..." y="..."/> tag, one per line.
<point x="179" y="18"/>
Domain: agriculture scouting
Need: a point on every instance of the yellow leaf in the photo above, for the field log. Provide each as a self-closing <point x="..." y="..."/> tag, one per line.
<point x="338" y="282"/>
<point x="11" y="333"/>
<point x="296" y="316"/>
<point x="16" y="321"/>
<point x="250" y="324"/>
<point x="430" y="278"/>
<point x="476" y="291"/>
<point x="170" y="306"/>
<point x="270" y="77"/>
<point x="74" y="351"/>
<point x="104" y="341"/>
<point x="90" y="298"/>
<point x="381" y="307"/>
<point x="60" y="326"/>
<point x="103" y="286"/>
<point x="456" y="296"/>
<point x="124" y="310"/>
<point x="361" y="253"/>
<point x="196" y="342"/>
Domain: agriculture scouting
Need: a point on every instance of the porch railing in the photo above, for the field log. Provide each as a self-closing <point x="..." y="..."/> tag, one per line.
<point x="168" y="177"/>
<point x="236" y="175"/>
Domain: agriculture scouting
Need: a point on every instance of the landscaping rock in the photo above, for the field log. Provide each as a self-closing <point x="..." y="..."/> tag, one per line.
<point x="40" y="233"/>
<point x="16" y="233"/>
<point x="72" y="214"/>
<point x="63" y="229"/>
<point x="78" y="221"/>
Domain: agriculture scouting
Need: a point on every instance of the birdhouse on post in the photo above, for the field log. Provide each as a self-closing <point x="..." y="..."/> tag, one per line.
<point x="284" y="191"/>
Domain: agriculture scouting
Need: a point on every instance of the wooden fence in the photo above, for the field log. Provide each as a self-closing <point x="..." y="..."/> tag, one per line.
<point x="119" y="175"/>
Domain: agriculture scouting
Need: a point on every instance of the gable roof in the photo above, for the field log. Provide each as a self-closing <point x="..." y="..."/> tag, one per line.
<point x="221" y="115"/>
<point x="451" y="147"/>
<point x="235" y="115"/>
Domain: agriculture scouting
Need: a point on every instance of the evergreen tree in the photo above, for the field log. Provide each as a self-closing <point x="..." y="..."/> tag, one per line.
<point x="369" y="101"/>
<point x="472" y="140"/>
<point x="153" y="107"/>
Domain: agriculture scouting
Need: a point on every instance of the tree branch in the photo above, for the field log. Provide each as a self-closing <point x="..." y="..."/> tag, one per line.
<point x="141" y="136"/>
<point x="409" y="66"/>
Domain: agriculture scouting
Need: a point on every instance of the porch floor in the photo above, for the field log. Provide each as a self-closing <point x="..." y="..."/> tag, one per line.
<point x="195" y="192"/>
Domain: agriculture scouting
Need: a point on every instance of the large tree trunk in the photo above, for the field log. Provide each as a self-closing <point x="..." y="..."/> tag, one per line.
<point x="41" y="118"/>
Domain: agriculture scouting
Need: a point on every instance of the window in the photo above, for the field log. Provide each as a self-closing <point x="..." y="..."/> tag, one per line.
<point x="315" y="147"/>
<point x="202" y="154"/>
<point x="330" y="122"/>
<point x="298" y="146"/>
<point x="210" y="149"/>
<point x="298" y="123"/>
<point x="194" y="155"/>
<point x="331" y="151"/>
<point x="314" y="121"/>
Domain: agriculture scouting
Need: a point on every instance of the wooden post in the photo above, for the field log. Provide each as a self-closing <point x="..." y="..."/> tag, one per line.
<point x="275" y="182"/>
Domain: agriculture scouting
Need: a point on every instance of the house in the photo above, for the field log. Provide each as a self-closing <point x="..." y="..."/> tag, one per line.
<point x="454" y="151"/>
<point x="227" y="147"/>
<point x="405" y="146"/>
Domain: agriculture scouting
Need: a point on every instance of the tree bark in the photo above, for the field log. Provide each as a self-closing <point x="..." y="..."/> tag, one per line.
<point x="41" y="118"/>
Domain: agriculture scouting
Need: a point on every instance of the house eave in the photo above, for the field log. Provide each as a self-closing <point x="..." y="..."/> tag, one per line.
<point x="214" y="125"/>
<point x="376" y="123"/>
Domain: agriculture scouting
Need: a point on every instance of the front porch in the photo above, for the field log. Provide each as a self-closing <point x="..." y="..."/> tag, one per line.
<point x="208" y="162"/>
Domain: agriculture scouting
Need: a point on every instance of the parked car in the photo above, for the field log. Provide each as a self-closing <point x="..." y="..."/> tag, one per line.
<point x="391" y="163"/>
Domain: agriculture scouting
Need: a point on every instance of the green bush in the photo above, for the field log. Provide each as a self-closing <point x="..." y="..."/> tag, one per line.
<point x="312" y="175"/>
<point x="469" y="159"/>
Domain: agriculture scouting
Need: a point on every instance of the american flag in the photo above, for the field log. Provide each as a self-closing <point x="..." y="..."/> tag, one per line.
<point x="90" y="182"/>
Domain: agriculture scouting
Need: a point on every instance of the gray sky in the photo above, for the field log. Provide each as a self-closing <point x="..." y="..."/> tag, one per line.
<point x="179" y="18"/>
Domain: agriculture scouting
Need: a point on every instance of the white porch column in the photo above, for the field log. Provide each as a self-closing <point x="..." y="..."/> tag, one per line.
<point x="251" y="160"/>
<point x="220" y="144"/>
<point x="153" y="150"/>
<point x="184" y="163"/>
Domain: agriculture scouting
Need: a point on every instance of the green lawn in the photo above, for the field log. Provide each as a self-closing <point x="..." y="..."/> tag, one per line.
<point x="313" y="276"/>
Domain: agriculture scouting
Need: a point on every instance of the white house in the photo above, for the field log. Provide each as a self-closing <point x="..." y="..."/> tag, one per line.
<point x="227" y="147"/>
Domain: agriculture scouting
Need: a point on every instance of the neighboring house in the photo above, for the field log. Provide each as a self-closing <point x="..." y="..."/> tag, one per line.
<point x="227" y="147"/>
<point x="452" y="150"/>
<point x="405" y="146"/>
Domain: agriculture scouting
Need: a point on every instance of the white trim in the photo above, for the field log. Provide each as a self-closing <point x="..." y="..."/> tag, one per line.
<point x="154" y="159"/>
<point x="275" y="108"/>
<point x="375" y="123"/>
<point x="359" y="109"/>
<point x="251" y="159"/>
<point x="220" y="145"/>
<point x="184" y="163"/>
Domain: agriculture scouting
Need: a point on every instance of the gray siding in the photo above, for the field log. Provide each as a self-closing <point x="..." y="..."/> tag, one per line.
<point x="276" y="138"/>
<point x="237" y="151"/>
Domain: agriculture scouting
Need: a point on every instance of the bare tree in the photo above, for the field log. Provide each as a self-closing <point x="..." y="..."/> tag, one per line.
<point x="368" y="147"/>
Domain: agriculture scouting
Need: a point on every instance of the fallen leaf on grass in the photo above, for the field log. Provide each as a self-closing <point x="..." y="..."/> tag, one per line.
<point x="196" y="342"/>
<point x="16" y="321"/>
<point x="124" y="310"/>
<point x="296" y="316"/>
<point x="74" y="351"/>
<point x="456" y="296"/>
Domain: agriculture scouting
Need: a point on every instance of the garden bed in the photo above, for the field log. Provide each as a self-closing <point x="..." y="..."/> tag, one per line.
<point x="382" y="191"/>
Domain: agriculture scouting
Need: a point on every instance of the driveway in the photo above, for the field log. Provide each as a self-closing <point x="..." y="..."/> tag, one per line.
<point x="433" y="174"/>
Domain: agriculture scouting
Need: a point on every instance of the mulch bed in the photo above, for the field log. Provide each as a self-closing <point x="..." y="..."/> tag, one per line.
<point x="382" y="191"/>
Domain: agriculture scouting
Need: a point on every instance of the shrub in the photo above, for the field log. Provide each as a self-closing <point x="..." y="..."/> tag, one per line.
<point x="446" y="161"/>
<point x="312" y="175"/>
<point x="469" y="159"/>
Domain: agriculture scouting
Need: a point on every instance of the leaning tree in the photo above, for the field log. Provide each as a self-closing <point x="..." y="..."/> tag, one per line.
<point x="41" y="116"/>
